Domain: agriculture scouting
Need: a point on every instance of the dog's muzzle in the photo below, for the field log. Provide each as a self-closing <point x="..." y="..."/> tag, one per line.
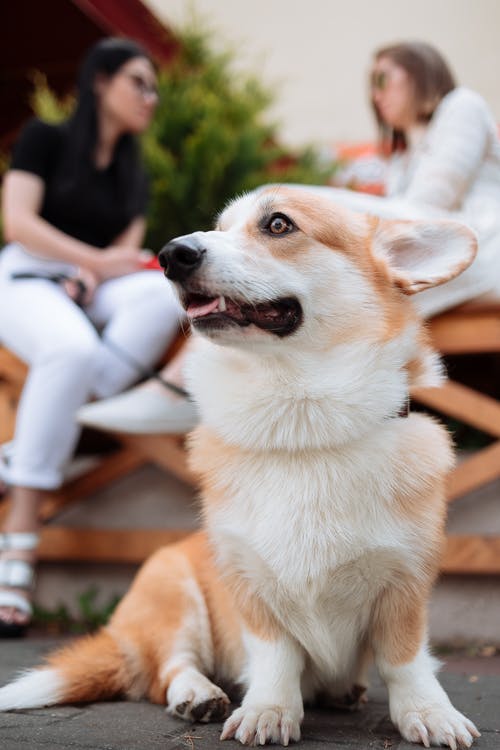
<point x="208" y="310"/>
<point x="180" y="258"/>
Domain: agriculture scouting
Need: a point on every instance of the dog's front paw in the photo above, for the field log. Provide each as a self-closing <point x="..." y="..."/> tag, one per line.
<point x="260" y="725"/>
<point x="193" y="697"/>
<point x="437" y="725"/>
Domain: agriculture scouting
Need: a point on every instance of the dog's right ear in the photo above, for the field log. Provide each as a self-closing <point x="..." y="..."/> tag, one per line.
<point x="423" y="254"/>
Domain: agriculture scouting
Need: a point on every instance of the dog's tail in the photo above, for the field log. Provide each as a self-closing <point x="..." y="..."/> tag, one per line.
<point x="94" y="668"/>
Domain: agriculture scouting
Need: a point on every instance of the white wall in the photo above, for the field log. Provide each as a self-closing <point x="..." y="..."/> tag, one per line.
<point x="316" y="53"/>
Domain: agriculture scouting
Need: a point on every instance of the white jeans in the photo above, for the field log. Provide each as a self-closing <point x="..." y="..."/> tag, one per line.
<point x="68" y="359"/>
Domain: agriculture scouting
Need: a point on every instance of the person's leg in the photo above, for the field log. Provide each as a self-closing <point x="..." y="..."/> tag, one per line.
<point x="22" y="519"/>
<point x="40" y="324"/>
<point x="142" y="316"/>
<point x="138" y="315"/>
<point x="149" y="408"/>
<point x="44" y="328"/>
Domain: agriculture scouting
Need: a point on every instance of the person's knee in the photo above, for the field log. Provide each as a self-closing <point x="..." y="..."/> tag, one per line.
<point x="75" y="352"/>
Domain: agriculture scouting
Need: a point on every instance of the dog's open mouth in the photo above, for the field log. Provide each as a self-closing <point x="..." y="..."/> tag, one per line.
<point x="281" y="316"/>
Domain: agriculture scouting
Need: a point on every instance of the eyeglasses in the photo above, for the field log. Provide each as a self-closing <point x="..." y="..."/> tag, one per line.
<point x="145" y="89"/>
<point x="379" y="80"/>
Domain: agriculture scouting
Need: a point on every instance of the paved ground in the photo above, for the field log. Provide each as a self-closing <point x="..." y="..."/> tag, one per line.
<point x="473" y="685"/>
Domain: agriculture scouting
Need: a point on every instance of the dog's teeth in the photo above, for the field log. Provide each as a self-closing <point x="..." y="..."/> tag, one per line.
<point x="222" y="304"/>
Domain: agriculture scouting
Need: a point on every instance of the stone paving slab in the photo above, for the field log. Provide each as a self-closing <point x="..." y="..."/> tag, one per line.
<point x="134" y="726"/>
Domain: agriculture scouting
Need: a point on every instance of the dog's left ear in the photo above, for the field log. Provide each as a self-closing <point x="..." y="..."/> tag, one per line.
<point x="422" y="254"/>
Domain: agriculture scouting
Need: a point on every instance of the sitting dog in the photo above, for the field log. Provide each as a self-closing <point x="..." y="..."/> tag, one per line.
<point x="322" y="497"/>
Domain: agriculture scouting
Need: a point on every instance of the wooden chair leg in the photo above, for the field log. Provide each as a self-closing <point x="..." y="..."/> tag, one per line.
<point x="481" y="468"/>
<point x="463" y="403"/>
<point x="468" y="555"/>
<point x="59" y="543"/>
<point x="108" y="470"/>
<point x="166" y="451"/>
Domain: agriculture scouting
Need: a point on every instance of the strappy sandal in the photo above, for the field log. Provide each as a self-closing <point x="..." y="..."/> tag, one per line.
<point x="16" y="574"/>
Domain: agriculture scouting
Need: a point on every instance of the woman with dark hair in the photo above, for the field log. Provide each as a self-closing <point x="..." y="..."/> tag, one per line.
<point x="74" y="201"/>
<point x="443" y="162"/>
<point x="444" y="159"/>
<point x="424" y="80"/>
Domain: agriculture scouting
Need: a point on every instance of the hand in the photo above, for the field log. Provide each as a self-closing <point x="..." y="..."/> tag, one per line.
<point x="117" y="261"/>
<point x="81" y="287"/>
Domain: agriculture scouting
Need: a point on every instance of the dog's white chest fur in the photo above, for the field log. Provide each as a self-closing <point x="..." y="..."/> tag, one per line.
<point x="312" y="518"/>
<point x="317" y="536"/>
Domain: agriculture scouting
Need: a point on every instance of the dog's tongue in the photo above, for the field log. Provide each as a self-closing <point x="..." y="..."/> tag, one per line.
<point x="199" y="310"/>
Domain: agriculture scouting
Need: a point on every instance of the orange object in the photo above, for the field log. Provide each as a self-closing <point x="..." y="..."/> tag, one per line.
<point x="151" y="263"/>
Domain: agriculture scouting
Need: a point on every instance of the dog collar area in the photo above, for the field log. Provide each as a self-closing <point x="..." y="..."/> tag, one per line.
<point x="405" y="409"/>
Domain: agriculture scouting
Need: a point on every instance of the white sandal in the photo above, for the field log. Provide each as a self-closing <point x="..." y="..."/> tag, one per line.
<point x="16" y="574"/>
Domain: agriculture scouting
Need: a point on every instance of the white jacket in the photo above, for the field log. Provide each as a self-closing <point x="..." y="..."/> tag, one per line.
<point x="453" y="171"/>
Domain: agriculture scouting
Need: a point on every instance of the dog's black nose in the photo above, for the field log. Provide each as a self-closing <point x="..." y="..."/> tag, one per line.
<point x="180" y="258"/>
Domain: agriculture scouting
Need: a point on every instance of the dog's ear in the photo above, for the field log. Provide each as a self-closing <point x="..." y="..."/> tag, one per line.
<point x="422" y="254"/>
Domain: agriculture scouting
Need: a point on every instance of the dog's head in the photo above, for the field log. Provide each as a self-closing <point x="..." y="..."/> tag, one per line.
<point x="284" y="264"/>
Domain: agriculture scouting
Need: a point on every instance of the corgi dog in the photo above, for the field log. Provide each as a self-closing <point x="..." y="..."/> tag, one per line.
<point x="323" y="499"/>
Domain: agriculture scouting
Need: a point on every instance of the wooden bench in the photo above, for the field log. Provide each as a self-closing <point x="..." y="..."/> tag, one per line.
<point x="466" y="330"/>
<point x="469" y="329"/>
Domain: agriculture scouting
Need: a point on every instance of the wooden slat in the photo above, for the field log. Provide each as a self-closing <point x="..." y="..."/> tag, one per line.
<point x="464" y="404"/>
<point x="8" y="404"/>
<point x="59" y="544"/>
<point x="472" y="555"/>
<point x="482" y="467"/>
<point x="167" y="451"/>
<point x="463" y="554"/>
<point x="466" y="333"/>
<point x="108" y="470"/>
<point x="475" y="307"/>
<point x="12" y="375"/>
<point x="12" y="368"/>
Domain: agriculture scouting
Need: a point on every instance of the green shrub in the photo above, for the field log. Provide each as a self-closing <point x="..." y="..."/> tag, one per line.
<point x="44" y="102"/>
<point x="209" y="140"/>
<point x="87" y="615"/>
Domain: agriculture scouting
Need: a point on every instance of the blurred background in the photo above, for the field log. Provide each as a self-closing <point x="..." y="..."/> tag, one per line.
<point x="313" y="56"/>
<point x="316" y="53"/>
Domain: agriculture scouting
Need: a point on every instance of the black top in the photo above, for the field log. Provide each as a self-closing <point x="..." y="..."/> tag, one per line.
<point x="94" y="211"/>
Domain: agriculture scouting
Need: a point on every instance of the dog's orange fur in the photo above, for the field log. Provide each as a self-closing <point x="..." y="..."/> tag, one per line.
<point x="198" y="593"/>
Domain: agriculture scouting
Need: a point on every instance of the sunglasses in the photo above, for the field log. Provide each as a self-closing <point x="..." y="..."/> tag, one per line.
<point x="379" y="80"/>
<point x="145" y="89"/>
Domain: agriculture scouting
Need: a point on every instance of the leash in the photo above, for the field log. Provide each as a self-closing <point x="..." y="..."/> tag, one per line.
<point x="140" y="369"/>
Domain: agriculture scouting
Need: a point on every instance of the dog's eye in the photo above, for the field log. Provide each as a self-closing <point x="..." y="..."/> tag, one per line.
<point x="279" y="224"/>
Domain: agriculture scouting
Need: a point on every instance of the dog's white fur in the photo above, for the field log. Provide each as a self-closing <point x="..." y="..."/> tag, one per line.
<point x="323" y="509"/>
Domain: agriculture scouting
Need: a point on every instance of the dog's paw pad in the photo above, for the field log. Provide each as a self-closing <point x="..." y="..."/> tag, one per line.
<point x="262" y="725"/>
<point x="193" y="697"/>
<point x="438" y="726"/>
<point x="181" y="708"/>
<point x="214" y="709"/>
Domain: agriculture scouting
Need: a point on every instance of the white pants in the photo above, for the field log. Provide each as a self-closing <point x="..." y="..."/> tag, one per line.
<point x="68" y="359"/>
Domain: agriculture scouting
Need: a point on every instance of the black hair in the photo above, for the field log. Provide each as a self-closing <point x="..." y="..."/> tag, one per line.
<point x="105" y="57"/>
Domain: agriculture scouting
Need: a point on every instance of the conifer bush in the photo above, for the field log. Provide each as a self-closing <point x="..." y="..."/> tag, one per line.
<point x="209" y="140"/>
